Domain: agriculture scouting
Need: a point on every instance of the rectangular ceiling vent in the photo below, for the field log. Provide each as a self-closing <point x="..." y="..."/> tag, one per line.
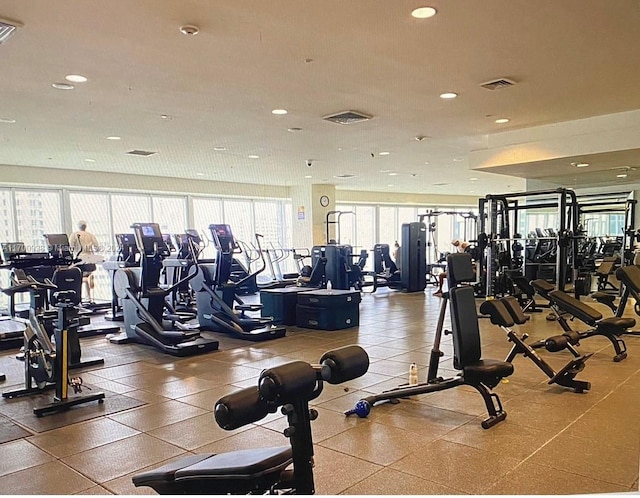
<point x="498" y="84"/>
<point x="144" y="153"/>
<point x="8" y="29"/>
<point x="348" y="117"/>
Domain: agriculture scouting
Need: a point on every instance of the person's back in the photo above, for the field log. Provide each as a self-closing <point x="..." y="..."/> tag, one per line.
<point x="84" y="244"/>
<point x="82" y="241"/>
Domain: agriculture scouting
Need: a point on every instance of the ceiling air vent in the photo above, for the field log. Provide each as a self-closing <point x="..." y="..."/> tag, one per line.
<point x="8" y="29"/>
<point x="498" y="84"/>
<point x="144" y="153"/>
<point x="348" y="117"/>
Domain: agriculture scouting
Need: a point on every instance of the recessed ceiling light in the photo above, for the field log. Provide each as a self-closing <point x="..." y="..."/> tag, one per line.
<point x="114" y="138"/>
<point x="472" y="179"/>
<point x="393" y="174"/>
<point x="448" y="95"/>
<point x="457" y="159"/>
<point x="426" y="162"/>
<point x="339" y="148"/>
<point x="384" y="153"/>
<point x="279" y="112"/>
<point x="7" y="120"/>
<point x="390" y="185"/>
<point x="345" y="176"/>
<point x="294" y="130"/>
<point x="75" y="78"/>
<point x="308" y="176"/>
<point x="62" y="86"/>
<point x="253" y="156"/>
<point x="189" y="30"/>
<point x="164" y="116"/>
<point x="621" y="175"/>
<point x="581" y="165"/>
<point x="502" y="120"/>
<point x="199" y="173"/>
<point x="385" y="170"/>
<point x="419" y="138"/>
<point x="90" y="160"/>
<point x="219" y="148"/>
<point x="423" y="12"/>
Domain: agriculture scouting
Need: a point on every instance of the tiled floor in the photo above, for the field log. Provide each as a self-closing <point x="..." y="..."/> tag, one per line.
<point x="553" y="441"/>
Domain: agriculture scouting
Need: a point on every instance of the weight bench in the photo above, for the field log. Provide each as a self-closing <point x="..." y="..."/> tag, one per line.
<point x="474" y="371"/>
<point x="611" y="328"/>
<point x="505" y="313"/>
<point x="629" y="278"/>
<point x="603" y="271"/>
<point x="263" y="470"/>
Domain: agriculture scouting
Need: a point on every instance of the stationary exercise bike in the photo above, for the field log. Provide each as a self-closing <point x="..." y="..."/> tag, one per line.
<point x="280" y="470"/>
<point x="46" y="365"/>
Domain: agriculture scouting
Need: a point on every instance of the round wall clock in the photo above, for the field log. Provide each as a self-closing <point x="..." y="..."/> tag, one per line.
<point x="324" y="201"/>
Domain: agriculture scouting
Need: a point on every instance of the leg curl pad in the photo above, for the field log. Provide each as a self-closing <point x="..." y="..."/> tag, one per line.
<point x="343" y="364"/>
<point x="556" y="343"/>
<point x="288" y="383"/>
<point x="240" y="408"/>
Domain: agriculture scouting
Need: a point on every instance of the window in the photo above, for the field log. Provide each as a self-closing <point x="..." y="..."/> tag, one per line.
<point x="170" y="213"/>
<point x="127" y="210"/>
<point x="239" y="215"/>
<point x="205" y="212"/>
<point x="7" y="231"/>
<point x="94" y="209"/>
<point x="38" y="212"/>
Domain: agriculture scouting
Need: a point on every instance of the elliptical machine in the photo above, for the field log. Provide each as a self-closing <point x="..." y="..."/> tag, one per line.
<point x="216" y="296"/>
<point x="46" y="365"/>
<point x="143" y="301"/>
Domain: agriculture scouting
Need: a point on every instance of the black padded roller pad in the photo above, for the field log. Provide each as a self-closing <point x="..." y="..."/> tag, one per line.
<point x="288" y="383"/>
<point x="240" y="408"/>
<point x="498" y="313"/>
<point x="460" y="269"/>
<point x="349" y="362"/>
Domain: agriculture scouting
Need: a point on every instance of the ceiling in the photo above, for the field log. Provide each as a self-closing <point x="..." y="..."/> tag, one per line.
<point x="183" y="96"/>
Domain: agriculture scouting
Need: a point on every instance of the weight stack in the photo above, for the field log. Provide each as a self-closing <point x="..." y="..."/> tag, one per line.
<point x="413" y="254"/>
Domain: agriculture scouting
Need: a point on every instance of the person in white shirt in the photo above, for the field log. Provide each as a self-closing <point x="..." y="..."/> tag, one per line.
<point x="461" y="246"/>
<point x="85" y="244"/>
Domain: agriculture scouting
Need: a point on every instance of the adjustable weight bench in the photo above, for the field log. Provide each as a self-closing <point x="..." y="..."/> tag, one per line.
<point x="505" y="313"/>
<point x="474" y="371"/>
<point x="611" y="328"/>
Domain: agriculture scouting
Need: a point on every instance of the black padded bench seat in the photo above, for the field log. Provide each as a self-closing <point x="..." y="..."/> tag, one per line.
<point x="237" y="470"/>
<point x="589" y="315"/>
<point x="543" y="287"/>
<point x="629" y="276"/>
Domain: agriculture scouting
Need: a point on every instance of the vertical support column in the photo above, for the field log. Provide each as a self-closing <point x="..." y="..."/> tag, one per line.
<point x="561" y="257"/>
<point x="310" y="205"/>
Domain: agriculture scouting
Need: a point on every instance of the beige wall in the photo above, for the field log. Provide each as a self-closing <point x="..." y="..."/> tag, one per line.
<point x="66" y="178"/>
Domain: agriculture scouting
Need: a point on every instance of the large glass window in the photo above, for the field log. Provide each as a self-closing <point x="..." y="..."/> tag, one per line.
<point x="127" y="210"/>
<point x="38" y="212"/>
<point x="387" y="231"/>
<point x="239" y="215"/>
<point x="205" y="212"/>
<point x="93" y="208"/>
<point x="6" y="213"/>
<point x="170" y="213"/>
